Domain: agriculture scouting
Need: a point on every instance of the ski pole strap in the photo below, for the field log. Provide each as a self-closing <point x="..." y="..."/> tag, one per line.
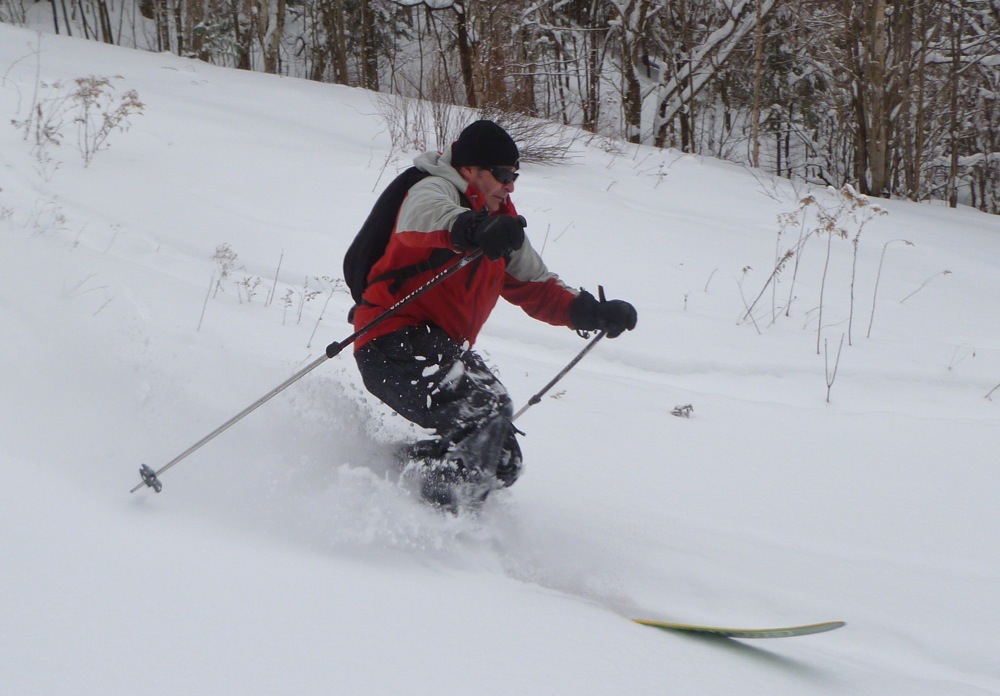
<point x="337" y="346"/>
<point x="572" y="363"/>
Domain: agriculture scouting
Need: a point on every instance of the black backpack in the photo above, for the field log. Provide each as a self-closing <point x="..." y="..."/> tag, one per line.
<point x="371" y="240"/>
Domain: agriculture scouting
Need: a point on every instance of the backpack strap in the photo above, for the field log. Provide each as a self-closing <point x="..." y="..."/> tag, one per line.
<point x="398" y="276"/>
<point x="437" y="259"/>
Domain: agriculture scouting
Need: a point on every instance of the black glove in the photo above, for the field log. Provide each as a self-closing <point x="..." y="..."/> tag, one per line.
<point x="612" y="316"/>
<point x="496" y="235"/>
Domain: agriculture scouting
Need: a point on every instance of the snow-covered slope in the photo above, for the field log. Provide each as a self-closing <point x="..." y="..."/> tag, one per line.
<point x="281" y="559"/>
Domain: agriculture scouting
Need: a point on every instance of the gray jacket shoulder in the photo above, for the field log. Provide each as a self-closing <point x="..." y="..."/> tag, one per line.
<point x="433" y="203"/>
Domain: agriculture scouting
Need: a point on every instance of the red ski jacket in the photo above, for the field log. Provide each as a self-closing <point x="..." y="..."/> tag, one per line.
<point x="460" y="304"/>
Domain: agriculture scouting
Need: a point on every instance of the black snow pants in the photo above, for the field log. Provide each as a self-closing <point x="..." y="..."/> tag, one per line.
<point x="423" y="375"/>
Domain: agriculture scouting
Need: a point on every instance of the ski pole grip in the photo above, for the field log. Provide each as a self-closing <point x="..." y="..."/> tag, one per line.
<point x="335" y="348"/>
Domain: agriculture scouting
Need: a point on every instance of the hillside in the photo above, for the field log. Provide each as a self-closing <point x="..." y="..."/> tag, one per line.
<point x="281" y="558"/>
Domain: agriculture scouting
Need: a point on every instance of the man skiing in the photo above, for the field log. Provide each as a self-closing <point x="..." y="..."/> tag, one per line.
<point x="419" y="360"/>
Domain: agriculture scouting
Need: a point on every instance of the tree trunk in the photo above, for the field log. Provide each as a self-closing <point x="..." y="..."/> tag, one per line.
<point x="854" y="37"/>
<point x="195" y="38"/>
<point x="69" y="28"/>
<point x="339" y="43"/>
<point x="632" y="19"/>
<point x="595" y="56"/>
<point x="465" y="54"/>
<point x="163" y="24"/>
<point x="956" y="29"/>
<point x="104" y="20"/>
<point x="272" y="54"/>
<point x="369" y="46"/>
<point x="926" y="31"/>
<point x="632" y="105"/>
<point x="178" y="24"/>
<point x="874" y="71"/>
<point x="242" y="38"/>
<point x="758" y="69"/>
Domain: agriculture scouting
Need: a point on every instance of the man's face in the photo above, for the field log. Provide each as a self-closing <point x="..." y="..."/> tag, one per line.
<point x="484" y="180"/>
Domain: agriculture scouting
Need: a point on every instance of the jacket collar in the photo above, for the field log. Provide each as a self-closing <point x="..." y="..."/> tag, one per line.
<point x="439" y="164"/>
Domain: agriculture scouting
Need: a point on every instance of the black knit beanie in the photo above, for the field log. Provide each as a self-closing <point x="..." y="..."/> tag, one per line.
<point x="484" y="144"/>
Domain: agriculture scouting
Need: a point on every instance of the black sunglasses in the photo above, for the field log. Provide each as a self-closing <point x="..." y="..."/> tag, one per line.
<point x="503" y="175"/>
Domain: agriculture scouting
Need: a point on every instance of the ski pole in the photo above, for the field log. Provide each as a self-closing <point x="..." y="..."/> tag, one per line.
<point x="572" y="363"/>
<point x="151" y="478"/>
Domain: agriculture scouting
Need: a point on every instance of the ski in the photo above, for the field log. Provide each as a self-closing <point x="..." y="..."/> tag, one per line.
<point x="782" y="632"/>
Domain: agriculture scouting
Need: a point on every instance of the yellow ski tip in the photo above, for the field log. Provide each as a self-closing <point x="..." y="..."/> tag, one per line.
<point x="780" y="632"/>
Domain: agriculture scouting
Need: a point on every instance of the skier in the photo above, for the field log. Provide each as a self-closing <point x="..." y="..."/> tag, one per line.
<point x="419" y="360"/>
